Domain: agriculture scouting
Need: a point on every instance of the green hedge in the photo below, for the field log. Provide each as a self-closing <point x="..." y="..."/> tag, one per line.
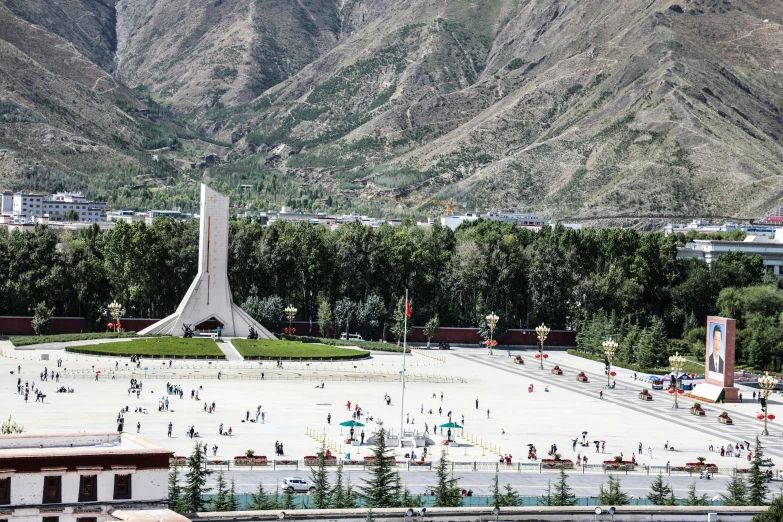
<point x="163" y="347"/>
<point x="27" y="340"/>
<point x="366" y="345"/>
<point x="271" y="349"/>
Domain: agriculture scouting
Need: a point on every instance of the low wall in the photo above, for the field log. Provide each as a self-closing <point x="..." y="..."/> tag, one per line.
<point x="22" y="325"/>
<point x="464" y="335"/>
<point x="553" y="514"/>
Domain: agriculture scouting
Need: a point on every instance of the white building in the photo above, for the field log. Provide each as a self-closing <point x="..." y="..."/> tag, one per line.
<point x="80" y="477"/>
<point x="770" y="250"/>
<point x="27" y="208"/>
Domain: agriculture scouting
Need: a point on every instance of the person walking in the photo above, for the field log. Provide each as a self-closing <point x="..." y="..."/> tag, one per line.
<point x="601" y="394"/>
<point x="441" y="396"/>
<point x="170" y="428"/>
<point x="440" y="411"/>
<point x="487" y="414"/>
<point x="329" y="418"/>
<point x="263" y="417"/>
<point x="640" y="448"/>
<point x="214" y="450"/>
<point x="247" y="415"/>
<point x="362" y="437"/>
<point x="476" y="403"/>
<point x="138" y="427"/>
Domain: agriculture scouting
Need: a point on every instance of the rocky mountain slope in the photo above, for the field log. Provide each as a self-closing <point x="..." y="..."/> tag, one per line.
<point x="577" y="108"/>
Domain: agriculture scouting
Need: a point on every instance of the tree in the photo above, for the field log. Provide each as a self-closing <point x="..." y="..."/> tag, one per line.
<point x="398" y="324"/>
<point x="563" y="495"/>
<point x="344" y="315"/>
<point x="270" y="311"/>
<point x="71" y="215"/>
<point x="220" y="502"/>
<point x="195" y="483"/>
<point x="757" y="482"/>
<point x="431" y="328"/>
<point x="369" y="315"/>
<point x="259" y="501"/>
<point x="175" y="491"/>
<point x="288" y="499"/>
<point x="324" y="315"/>
<point x="319" y="476"/>
<point x="447" y="491"/>
<point x="613" y="495"/>
<point x="232" y="502"/>
<point x="737" y="492"/>
<point x="774" y="513"/>
<point x="494" y="492"/>
<point x="693" y="499"/>
<point x="548" y="499"/>
<point x="340" y="496"/>
<point x="660" y="491"/>
<point x="377" y="491"/>
<point x="510" y="497"/>
<point x="42" y="319"/>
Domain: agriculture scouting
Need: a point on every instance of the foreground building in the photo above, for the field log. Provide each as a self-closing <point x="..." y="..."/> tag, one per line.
<point x="80" y="477"/>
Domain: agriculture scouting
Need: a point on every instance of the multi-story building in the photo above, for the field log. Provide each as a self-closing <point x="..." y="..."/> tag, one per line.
<point x="80" y="477"/>
<point x="769" y="249"/>
<point x="25" y="208"/>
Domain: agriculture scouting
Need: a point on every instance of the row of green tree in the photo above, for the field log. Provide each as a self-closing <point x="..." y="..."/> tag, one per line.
<point x="557" y="276"/>
<point x="758" y="310"/>
<point x="384" y="489"/>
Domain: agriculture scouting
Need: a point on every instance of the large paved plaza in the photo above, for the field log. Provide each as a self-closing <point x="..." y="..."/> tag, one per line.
<point x="295" y="407"/>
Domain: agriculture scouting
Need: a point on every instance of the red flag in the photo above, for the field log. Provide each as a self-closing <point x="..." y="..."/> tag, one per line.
<point x="407" y="308"/>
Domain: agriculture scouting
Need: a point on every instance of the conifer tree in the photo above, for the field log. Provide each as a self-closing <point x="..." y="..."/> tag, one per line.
<point x="378" y="490"/>
<point x="737" y="492"/>
<point x="259" y="501"/>
<point x="693" y="499"/>
<point x="232" y="502"/>
<point x="175" y="491"/>
<point x="447" y="492"/>
<point x="510" y="497"/>
<point x="320" y="479"/>
<point x="613" y="494"/>
<point x="288" y="499"/>
<point x="757" y="482"/>
<point x="220" y="502"/>
<point x="548" y="499"/>
<point x="562" y="495"/>
<point x="195" y="483"/>
<point x="775" y="511"/>
<point x="660" y="491"/>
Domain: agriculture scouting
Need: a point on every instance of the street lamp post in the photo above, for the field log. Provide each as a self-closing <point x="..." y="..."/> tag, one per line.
<point x="767" y="384"/>
<point x="290" y="311"/>
<point x="542" y="332"/>
<point x="610" y="346"/>
<point x="492" y="321"/>
<point x="115" y="311"/>
<point x="677" y="361"/>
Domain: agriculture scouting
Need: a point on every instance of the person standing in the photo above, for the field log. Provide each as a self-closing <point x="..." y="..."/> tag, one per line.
<point x="476" y="403"/>
<point x="362" y="437"/>
<point x="601" y="394"/>
<point x="329" y="418"/>
<point x="138" y="427"/>
<point x="170" y="428"/>
<point x="487" y="412"/>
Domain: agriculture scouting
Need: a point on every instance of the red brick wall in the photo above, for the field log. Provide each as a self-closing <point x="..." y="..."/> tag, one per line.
<point x="18" y="325"/>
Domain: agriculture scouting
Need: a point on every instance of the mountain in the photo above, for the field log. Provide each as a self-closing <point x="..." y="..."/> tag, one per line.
<point x="609" y="112"/>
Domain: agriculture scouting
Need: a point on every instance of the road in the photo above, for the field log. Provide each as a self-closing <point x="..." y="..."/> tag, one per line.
<point x="526" y="484"/>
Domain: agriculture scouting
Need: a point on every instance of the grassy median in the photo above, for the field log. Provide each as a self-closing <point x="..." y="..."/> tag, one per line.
<point x="269" y="349"/>
<point x="162" y="347"/>
<point x="27" y="340"/>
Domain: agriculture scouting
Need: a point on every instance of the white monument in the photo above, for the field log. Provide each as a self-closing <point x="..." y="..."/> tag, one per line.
<point x="209" y="296"/>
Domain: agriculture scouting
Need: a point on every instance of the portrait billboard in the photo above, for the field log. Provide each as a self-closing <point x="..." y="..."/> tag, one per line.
<point x="719" y="356"/>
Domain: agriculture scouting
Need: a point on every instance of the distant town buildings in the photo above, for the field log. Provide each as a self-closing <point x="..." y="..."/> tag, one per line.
<point x="20" y="208"/>
<point x="769" y="248"/>
<point x="703" y="228"/>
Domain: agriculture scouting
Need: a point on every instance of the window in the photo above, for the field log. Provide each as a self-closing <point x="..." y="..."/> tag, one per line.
<point x="5" y="491"/>
<point x="122" y="487"/>
<point x="52" y="490"/>
<point x="51" y="519"/>
<point x="88" y="488"/>
<point x="87" y="519"/>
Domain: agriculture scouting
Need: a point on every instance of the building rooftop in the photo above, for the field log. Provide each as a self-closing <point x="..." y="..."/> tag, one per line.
<point x="75" y="444"/>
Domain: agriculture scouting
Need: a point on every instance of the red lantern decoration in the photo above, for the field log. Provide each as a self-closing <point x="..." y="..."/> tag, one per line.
<point x="760" y="416"/>
<point x="546" y="356"/>
<point x="680" y="391"/>
<point x="671" y="391"/>
<point x="293" y="330"/>
<point x="613" y="374"/>
<point x="771" y="417"/>
<point x="285" y="330"/>
<point x="538" y="356"/>
<point x="119" y="326"/>
<point x="110" y="325"/>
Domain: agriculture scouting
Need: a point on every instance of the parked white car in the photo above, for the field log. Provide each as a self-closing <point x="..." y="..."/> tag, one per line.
<point x="351" y="337"/>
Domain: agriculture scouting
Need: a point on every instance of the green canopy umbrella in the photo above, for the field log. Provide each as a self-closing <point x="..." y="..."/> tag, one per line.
<point x="351" y="423"/>
<point x="450" y="425"/>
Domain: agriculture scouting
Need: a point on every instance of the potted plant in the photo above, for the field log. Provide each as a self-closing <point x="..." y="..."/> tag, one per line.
<point x="581" y="377"/>
<point x="696" y="409"/>
<point x="724" y="418"/>
<point x="645" y="395"/>
<point x="557" y="371"/>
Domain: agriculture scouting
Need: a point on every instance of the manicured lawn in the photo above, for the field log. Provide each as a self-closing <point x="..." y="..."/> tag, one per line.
<point x="165" y="347"/>
<point x="26" y="340"/>
<point x="268" y="349"/>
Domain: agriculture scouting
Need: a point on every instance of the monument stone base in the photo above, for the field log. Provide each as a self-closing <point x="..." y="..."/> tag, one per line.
<point x="712" y="393"/>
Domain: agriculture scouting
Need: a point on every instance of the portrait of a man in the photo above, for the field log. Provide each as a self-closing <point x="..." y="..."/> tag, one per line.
<point x="716" y="351"/>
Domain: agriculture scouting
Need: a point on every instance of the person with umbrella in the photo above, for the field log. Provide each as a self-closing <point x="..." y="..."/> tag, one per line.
<point x="597" y="445"/>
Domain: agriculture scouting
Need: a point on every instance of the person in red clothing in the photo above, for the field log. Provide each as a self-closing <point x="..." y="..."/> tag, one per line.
<point x="348" y="405"/>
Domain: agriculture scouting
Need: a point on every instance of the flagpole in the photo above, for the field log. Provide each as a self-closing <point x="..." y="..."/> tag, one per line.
<point x="404" y="351"/>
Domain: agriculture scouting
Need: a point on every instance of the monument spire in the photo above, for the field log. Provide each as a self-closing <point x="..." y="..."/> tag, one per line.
<point x="209" y="295"/>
